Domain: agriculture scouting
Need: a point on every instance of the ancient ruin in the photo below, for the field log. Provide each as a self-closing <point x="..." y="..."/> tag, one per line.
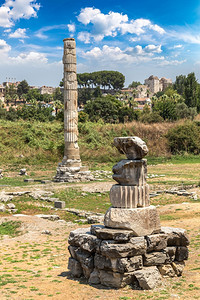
<point x="71" y="169"/>
<point x="131" y="247"/>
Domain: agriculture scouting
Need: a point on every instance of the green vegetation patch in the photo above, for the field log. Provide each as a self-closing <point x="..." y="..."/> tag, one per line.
<point x="10" y="228"/>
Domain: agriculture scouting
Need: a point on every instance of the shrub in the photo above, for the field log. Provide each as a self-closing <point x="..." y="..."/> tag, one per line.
<point x="184" y="138"/>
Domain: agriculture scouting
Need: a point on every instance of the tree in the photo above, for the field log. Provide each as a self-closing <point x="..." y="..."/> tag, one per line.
<point x="106" y="108"/>
<point x="191" y="91"/>
<point x="179" y="84"/>
<point x="58" y="95"/>
<point x="134" y="84"/>
<point x="33" y="94"/>
<point x="183" y="111"/>
<point x="22" y="88"/>
<point x="166" y="108"/>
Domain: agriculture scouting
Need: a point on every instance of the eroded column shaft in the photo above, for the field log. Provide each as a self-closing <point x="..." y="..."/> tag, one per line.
<point x="71" y="152"/>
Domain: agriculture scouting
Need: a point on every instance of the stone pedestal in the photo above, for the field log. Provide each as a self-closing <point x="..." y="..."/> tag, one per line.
<point x="115" y="258"/>
<point x="71" y="169"/>
<point x="142" y="221"/>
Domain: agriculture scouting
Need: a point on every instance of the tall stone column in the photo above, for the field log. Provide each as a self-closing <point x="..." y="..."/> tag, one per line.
<point x="71" y="152"/>
<point x="71" y="169"/>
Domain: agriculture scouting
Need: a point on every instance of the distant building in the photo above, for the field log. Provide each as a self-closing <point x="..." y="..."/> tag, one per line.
<point x="141" y="102"/>
<point x="46" y="90"/>
<point x="156" y="85"/>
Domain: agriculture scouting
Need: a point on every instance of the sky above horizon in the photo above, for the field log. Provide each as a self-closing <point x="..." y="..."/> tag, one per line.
<point x="137" y="38"/>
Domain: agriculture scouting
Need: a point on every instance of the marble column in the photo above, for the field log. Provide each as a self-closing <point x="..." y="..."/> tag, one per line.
<point x="71" y="169"/>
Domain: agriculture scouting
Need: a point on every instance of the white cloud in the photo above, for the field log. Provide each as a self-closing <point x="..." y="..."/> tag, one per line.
<point x="110" y="24"/>
<point x="185" y="35"/>
<point x="40" y="33"/>
<point x="4" y="47"/>
<point x="172" y="62"/>
<point x="153" y="49"/>
<point x="30" y="57"/>
<point x="84" y="36"/>
<point x="13" y="10"/>
<point x="5" y="20"/>
<point x="71" y="27"/>
<point x="177" y="46"/>
<point x="107" y="54"/>
<point x="7" y="30"/>
<point x="135" y="54"/>
<point x="148" y="50"/>
<point x="20" y="33"/>
<point x="22" y="9"/>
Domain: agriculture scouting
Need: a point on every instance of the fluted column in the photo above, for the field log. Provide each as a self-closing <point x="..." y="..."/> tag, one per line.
<point x="71" y="152"/>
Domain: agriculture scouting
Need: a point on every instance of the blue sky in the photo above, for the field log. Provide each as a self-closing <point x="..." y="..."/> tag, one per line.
<point x="137" y="38"/>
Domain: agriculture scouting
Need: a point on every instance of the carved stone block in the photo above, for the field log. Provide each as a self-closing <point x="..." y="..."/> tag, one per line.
<point x="132" y="146"/>
<point x="129" y="196"/>
<point x="130" y="172"/>
<point x="142" y="221"/>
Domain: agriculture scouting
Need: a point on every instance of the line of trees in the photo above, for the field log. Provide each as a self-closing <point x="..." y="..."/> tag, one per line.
<point x="104" y="79"/>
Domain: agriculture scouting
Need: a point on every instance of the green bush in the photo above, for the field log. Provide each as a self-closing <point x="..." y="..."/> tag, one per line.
<point x="184" y="138"/>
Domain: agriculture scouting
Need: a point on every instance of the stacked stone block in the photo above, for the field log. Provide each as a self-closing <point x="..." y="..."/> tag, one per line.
<point x="115" y="258"/>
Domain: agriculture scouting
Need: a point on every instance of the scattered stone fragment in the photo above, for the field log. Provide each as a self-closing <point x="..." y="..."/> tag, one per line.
<point x="46" y="232"/>
<point x="94" y="277"/>
<point x="105" y="233"/>
<point x="148" y="278"/>
<point x="115" y="280"/>
<point x="156" y="242"/>
<point x="46" y="181"/>
<point x="93" y="219"/>
<point x="11" y="206"/>
<point x="181" y="253"/>
<point x="49" y="217"/>
<point x="166" y="270"/>
<point x="59" y="204"/>
<point x="176" y="236"/>
<point x="75" y="267"/>
<point x="28" y="180"/>
<point x="83" y="238"/>
<point x="178" y="267"/>
<point x="1" y="174"/>
<point x="2" y="208"/>
<point x="155" y="259"/>
<point x="22" y="172"/>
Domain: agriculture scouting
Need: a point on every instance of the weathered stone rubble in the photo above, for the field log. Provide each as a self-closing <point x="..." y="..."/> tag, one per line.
<point x="115" y="257"/>
<point x="1" y="174"/>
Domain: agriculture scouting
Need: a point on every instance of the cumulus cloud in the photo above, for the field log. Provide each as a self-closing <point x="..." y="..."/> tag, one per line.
<point x="84" y="36"/>
<point x="13" y="10"/>
<point x="30" y="57"/>
<point x="112" y="23"/>
<point x="20" y="33"/>
<point x="129" y="55"/>
<point x="5" y="20"/>
<point x="71" y="28"/>
<point x="148" y="50"/>
<point x="4" y="47"/>
<point x="172" y="62"/>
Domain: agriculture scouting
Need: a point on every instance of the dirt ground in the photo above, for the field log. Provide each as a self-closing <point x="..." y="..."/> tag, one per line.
<point x="34" y="265"/>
